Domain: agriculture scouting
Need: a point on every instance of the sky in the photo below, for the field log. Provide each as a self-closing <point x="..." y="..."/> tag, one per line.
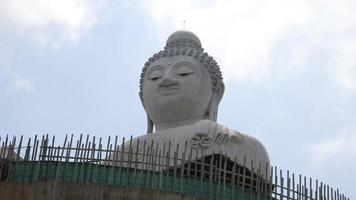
<point x="289" y="66"/>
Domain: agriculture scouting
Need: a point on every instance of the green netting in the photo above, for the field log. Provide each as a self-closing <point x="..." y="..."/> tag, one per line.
<point x="170" y="181"/>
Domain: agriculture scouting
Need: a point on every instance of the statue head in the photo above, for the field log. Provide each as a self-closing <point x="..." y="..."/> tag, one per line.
<point x="180" y="84"/>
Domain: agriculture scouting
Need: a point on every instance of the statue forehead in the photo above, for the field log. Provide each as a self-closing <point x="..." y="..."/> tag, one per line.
<point x="168" y="61"/>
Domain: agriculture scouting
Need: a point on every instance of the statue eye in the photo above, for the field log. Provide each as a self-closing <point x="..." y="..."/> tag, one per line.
<point x="185" y="71"/>
<point x="184" y="74"/>
<point x="155" y="75"/>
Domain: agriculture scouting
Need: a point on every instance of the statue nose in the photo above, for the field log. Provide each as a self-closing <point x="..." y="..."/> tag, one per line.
<point x="168" y="81"/>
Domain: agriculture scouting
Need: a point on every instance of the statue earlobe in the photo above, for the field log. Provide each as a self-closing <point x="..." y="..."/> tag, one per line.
<point x="149" y="125"/>
<point x="214" y="103"/>
<point x="213" y="111"/>
<point x="149" y="120"/>
<point x="220" y="89"/>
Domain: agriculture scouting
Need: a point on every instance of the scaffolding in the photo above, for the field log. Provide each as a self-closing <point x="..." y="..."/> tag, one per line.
<point x="115" y="162"/>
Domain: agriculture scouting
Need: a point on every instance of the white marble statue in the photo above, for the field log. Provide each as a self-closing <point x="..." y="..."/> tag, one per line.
<point x="180" y="89"/>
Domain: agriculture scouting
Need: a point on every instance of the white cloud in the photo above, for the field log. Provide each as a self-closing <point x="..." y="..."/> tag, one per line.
<point x="50" y="21"/>
<point x="242" y="34"/>
<point x="335" y="32"/>
<point x="44" y="24"/>
<point x="23" y="84"/>
<point x="345" y="64"/>
<point x="341" y="147"/>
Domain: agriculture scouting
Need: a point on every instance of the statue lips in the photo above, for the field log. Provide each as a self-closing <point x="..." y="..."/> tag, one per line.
<point x="168" y="90"/>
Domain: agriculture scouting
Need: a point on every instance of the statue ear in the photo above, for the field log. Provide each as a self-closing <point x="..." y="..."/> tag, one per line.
<point x="214" y="102"/>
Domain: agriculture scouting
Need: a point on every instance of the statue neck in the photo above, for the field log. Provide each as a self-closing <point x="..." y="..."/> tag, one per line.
<point x="168" y="125"/>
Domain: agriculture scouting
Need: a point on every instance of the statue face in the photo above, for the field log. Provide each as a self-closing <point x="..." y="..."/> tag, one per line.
<point x="176" y="89"/>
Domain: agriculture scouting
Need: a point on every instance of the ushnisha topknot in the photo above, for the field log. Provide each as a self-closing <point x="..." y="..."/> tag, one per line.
<point x="183" y="38"/>
<point x="186" y="43"/>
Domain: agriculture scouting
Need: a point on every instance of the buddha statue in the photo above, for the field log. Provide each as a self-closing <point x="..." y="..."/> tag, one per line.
<point x="180" y="90"/>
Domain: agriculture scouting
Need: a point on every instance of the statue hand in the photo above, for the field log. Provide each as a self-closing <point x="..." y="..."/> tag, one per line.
<point x="206" y="133"/>
<point x="203" y="132"/>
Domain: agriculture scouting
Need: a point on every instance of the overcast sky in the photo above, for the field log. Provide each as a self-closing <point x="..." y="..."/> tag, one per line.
<point x="73" y="66"/>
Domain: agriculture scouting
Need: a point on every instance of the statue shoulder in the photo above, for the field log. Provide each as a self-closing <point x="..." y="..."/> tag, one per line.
<point x="260" y="150"/>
